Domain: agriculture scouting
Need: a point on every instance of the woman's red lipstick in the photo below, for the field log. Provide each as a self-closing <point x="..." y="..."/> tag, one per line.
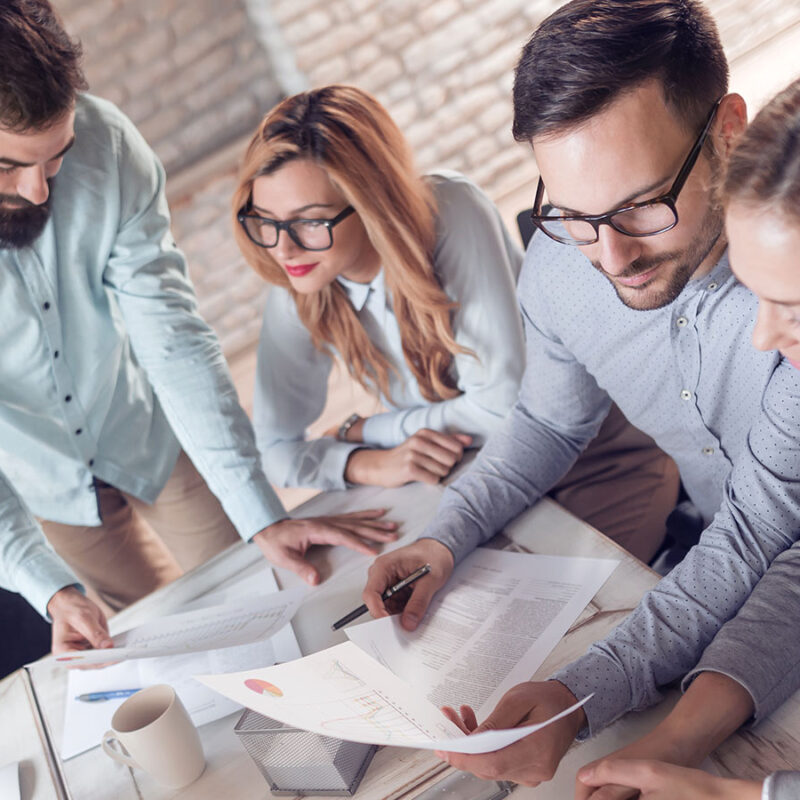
<point x="298" y="270"/>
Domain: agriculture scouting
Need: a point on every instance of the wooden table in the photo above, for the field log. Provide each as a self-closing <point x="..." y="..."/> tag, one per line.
<point x="395" y="772"/>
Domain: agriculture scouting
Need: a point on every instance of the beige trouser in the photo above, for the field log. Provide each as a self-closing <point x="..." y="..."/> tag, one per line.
<point x="139" y="547"/>
<point x="623" y="485"/>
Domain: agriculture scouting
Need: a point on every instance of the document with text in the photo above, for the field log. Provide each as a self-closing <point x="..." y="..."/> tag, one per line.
<point x="490" y="628"/>
<point x="233" y="623"/>
<point x="86" y="722"/>
<point x="343" y="692"/>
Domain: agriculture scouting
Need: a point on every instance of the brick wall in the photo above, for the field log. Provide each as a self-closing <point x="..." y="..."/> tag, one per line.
<point x="444" y="68"/>
<point x="193" y="76"/>
<point x="190" y="73"/>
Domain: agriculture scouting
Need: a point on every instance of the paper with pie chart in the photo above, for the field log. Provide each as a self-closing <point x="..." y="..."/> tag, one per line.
<point x="345" y="693"/>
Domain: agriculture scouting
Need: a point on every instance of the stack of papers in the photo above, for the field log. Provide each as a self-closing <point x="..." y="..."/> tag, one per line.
<point x="499" y="617"/>
<point x="224" y="626"/>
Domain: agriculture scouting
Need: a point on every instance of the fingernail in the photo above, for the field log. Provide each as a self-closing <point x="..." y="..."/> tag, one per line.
<point x="409" y="621"/>
<point x="585" y="773"/>
<point x="312" y="578"/>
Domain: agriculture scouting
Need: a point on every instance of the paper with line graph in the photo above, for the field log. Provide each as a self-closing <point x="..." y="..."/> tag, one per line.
<point x="345" y="693"/>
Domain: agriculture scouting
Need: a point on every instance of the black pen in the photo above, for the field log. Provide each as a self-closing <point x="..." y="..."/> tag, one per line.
<point x="392" y="590"/>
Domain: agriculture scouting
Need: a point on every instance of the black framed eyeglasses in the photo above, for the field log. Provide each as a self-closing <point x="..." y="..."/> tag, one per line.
<point x="648" y="218"/>
<point x="310" y="234"/>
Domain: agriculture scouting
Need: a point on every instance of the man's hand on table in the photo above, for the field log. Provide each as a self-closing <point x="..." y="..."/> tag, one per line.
<point x="78" y="623"/>
<point x="391" y="568"/>
<point x="285" y="543"/>
<point x="531" y="760"/>
<point x="656" y="780"/>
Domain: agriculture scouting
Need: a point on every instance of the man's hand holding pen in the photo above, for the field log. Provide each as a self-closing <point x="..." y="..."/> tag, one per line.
<point x="389" y="569"/>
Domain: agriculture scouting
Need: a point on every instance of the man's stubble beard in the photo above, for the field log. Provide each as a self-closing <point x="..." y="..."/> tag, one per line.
<point x="687" y="260"/>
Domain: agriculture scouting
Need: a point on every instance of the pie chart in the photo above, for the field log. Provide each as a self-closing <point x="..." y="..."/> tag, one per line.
<point x="263" y="687"/>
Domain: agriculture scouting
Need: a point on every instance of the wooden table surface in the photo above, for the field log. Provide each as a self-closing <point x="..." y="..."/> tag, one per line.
<point x="395" y="772"/>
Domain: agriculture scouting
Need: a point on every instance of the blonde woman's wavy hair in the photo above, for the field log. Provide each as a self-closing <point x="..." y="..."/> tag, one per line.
<point x="351" y="136"/>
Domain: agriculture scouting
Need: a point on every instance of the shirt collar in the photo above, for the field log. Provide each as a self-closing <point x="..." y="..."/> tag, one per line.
<point x="358" y="293"/>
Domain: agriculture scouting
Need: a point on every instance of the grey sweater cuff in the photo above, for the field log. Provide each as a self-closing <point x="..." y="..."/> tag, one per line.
<point x="596" y="673"/>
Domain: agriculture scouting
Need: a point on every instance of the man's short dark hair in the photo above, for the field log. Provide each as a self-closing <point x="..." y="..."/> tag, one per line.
<point x="589" y="52"/>
<point x="40" y="66"/>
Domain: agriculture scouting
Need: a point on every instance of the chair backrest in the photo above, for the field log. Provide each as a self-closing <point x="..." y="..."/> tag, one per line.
<point x="526" y="227"/>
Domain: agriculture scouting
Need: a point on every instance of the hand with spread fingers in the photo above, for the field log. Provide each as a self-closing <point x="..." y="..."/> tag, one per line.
<point x="391" y="568"/>
<point x="285" y="543"/>
<point x="426" y="456"/>
<point x="657" y="780"/>
<point x="531" y="760"/>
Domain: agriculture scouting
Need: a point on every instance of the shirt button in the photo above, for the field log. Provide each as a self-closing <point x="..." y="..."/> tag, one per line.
<point x="708" y="451"/>
<point x="91" y="462"/>
<point x="686" y="395"/>
<point x="46" y="305"/>
<point x="79" y="431"/>
<point x="681" y="322"/>
<point x="711" y="286"/>
<point x="55" y="354"/>
<point x="68" y="398"/>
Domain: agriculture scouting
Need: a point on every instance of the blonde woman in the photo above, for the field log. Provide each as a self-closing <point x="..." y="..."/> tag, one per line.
<point x="410" y="281"/>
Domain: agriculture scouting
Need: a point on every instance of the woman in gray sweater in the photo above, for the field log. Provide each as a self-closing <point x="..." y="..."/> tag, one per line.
<point x="753" y="664"/>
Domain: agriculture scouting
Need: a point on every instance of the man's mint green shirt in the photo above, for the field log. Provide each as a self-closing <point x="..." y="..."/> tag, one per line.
<point x="106" y="367"/>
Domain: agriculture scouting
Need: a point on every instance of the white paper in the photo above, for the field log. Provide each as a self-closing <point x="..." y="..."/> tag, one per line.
<point x="9" y="781"/>
<point x="233" y="623"/>
<point x="343" y="692"/>
<point x="498" y="618"/>
<point x="85" y="723"/>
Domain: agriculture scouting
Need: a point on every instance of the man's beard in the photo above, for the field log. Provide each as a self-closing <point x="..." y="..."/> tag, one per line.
<point x="686" y="263"/>
<point x="21" y="222"/>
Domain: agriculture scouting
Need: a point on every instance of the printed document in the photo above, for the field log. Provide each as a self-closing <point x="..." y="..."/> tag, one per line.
<point x="345" y="693"/>
<point x="490" y="628"/>
<point x="86" y="722"/>
<point x="233" y="623"/>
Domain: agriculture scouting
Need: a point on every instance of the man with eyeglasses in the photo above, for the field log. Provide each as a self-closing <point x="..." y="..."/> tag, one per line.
<point x="121" y="435"/>
<point x="628" y="298"/>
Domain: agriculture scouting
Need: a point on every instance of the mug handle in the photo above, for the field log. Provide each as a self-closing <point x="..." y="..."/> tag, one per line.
<point x="110" y="736"/>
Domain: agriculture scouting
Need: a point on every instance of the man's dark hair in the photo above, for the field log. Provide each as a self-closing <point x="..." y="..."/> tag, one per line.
<point x="40" y="69"/>
<point x="589" y="52"/>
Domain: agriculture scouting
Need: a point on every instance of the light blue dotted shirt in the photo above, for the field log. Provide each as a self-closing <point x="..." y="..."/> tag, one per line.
<point x="687" y="375"/>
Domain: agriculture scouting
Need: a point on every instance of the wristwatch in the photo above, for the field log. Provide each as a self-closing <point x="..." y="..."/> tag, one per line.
<point x="346" y="425"/>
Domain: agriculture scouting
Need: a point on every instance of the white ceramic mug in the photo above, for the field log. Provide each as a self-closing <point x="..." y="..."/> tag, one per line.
<point x="154" y="729"/>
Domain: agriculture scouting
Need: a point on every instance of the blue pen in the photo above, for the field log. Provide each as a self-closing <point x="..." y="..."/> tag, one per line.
<point x="115" y="694"/>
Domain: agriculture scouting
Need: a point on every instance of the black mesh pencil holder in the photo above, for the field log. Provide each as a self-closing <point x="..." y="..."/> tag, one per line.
<point x="299" y="762"/>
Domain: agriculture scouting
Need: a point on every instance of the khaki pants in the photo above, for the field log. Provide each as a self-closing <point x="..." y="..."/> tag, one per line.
<point x="140" y="547"/>
<point x="624" y="486"/>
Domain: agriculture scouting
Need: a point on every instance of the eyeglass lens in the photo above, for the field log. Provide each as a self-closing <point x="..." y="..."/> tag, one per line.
<point x="310" y="234"/>
<point x="641" y="221"/>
